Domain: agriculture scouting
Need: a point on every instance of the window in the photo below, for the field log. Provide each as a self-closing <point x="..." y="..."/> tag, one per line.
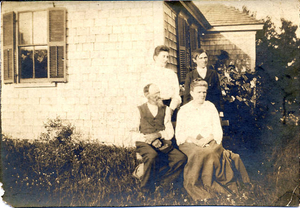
<point x="170" y="36"/>
<point x="37" y="39"/>
<point x="183" y="42"/>
<point x="188" y="41"/>
<point x="194" y="37"/>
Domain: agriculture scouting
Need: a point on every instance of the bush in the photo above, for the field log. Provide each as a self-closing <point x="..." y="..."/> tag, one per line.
<point x="60" y="170"/>
<point x="285" y="174"/>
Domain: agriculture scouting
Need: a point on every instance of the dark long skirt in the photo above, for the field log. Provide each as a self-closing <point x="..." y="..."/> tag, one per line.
<point x="212" y="170"/>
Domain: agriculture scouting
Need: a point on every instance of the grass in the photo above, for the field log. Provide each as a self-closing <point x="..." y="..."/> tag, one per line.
<point x="60" y="170"/>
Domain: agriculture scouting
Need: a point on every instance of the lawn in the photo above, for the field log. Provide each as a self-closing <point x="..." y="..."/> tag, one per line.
<point x="60" y="170"/>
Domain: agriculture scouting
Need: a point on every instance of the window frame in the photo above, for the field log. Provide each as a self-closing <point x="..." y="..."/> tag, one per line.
<point x="17" y="47"/>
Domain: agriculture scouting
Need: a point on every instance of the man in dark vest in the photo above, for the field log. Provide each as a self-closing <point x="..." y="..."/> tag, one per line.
<point x="163" y="164"/>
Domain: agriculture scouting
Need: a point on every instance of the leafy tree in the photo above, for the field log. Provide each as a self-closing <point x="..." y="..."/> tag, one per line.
<point x="278" y="90"/>
<point x="248" y="12"/>
<point x="278" y="61"/>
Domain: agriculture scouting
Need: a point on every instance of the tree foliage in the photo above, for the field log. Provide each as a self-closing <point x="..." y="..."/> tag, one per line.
<point x="278" y="87"/>
<point x="278" y="52"/>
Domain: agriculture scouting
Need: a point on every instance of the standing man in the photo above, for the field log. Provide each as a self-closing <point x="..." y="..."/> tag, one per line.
<point x="166" y="79"/>
<point x="200" y="58"/>
<point x="152" y="131"/>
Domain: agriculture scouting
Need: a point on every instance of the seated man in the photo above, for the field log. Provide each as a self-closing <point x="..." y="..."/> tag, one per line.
<point x="152" y="133"/>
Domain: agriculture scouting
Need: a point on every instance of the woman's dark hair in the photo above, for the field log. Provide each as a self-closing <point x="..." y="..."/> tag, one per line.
<point x="161" y="48"/>
<point x="197" y="52"/>
<point x="198" y="83"/>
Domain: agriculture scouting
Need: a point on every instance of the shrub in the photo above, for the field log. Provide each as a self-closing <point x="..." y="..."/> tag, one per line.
<point x="60" y="170"/>
<point x="285" y="174"/>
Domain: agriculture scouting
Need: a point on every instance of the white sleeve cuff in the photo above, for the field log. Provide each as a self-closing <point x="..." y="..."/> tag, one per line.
<point x="175" y="102"/>
<point x="137" y="137"/>
<point x="163" y="134"/>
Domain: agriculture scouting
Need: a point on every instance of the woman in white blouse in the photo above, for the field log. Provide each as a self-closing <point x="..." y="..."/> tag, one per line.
<point x="166" y="79"/>
<point x="210" y="168"/>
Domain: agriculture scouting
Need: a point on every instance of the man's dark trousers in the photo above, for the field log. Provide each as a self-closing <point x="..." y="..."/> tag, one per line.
<point x="160" y="168"/>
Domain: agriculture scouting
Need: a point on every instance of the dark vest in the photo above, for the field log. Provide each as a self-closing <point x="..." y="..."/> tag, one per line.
<point x="150" y="124"/>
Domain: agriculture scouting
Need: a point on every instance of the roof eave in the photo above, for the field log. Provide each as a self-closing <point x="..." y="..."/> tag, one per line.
<point x="227" y="28"/>
<point x="196" y="13"/>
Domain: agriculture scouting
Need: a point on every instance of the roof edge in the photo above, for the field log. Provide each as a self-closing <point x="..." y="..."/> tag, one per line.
<point x="227" y="28"/>
<point x="197" y="14"/>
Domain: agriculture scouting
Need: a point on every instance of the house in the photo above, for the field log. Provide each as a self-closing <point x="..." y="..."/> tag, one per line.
<point x="82" y="61"/>
<point x="233" y="32"/>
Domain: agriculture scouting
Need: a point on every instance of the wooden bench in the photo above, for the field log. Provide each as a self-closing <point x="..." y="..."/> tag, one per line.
<point x="223" y="123"/>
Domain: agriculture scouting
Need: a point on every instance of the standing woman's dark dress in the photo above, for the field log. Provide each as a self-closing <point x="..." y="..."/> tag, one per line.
<point x="214" y="91"/>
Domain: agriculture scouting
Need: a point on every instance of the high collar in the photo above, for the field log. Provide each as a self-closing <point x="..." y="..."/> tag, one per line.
<point x="202" y="71"/>
<point x="197" y="106"/>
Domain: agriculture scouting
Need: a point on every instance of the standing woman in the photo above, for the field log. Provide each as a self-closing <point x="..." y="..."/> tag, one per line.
<point x="200" y="58"/>
<point x="166" y="79"/>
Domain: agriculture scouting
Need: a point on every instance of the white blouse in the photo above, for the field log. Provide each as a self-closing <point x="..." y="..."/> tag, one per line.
<point x="193" y="120"/>
<point x="166" y="80"/>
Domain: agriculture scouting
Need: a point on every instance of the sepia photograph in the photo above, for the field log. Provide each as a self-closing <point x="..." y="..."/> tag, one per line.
<point x="150" y="103"/>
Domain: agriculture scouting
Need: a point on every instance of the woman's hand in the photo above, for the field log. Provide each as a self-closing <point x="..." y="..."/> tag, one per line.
<point x="205" y="141"/>
<point x="190" y="140"/>
<point x="200" y="141"/>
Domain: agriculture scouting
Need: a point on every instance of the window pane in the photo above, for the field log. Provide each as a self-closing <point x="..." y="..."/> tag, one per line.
<point x="40" y="61"/>
<point x="40" y="27"/>
<point x="26" y="62"/>
<point x="25" y="28"/>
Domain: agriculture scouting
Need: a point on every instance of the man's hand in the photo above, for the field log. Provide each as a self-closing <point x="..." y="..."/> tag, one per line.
<point x="157" y="143"/>
<point x="149" y="138"/>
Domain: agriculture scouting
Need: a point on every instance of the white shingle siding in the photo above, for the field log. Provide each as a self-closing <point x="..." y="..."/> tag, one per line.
<point x="109" y="44"/>
<point x="239" y="46"/>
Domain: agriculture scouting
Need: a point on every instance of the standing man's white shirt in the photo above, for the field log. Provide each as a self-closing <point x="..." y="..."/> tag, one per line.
<point x="166" y="80"/>
<point x="202" y="72"/>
